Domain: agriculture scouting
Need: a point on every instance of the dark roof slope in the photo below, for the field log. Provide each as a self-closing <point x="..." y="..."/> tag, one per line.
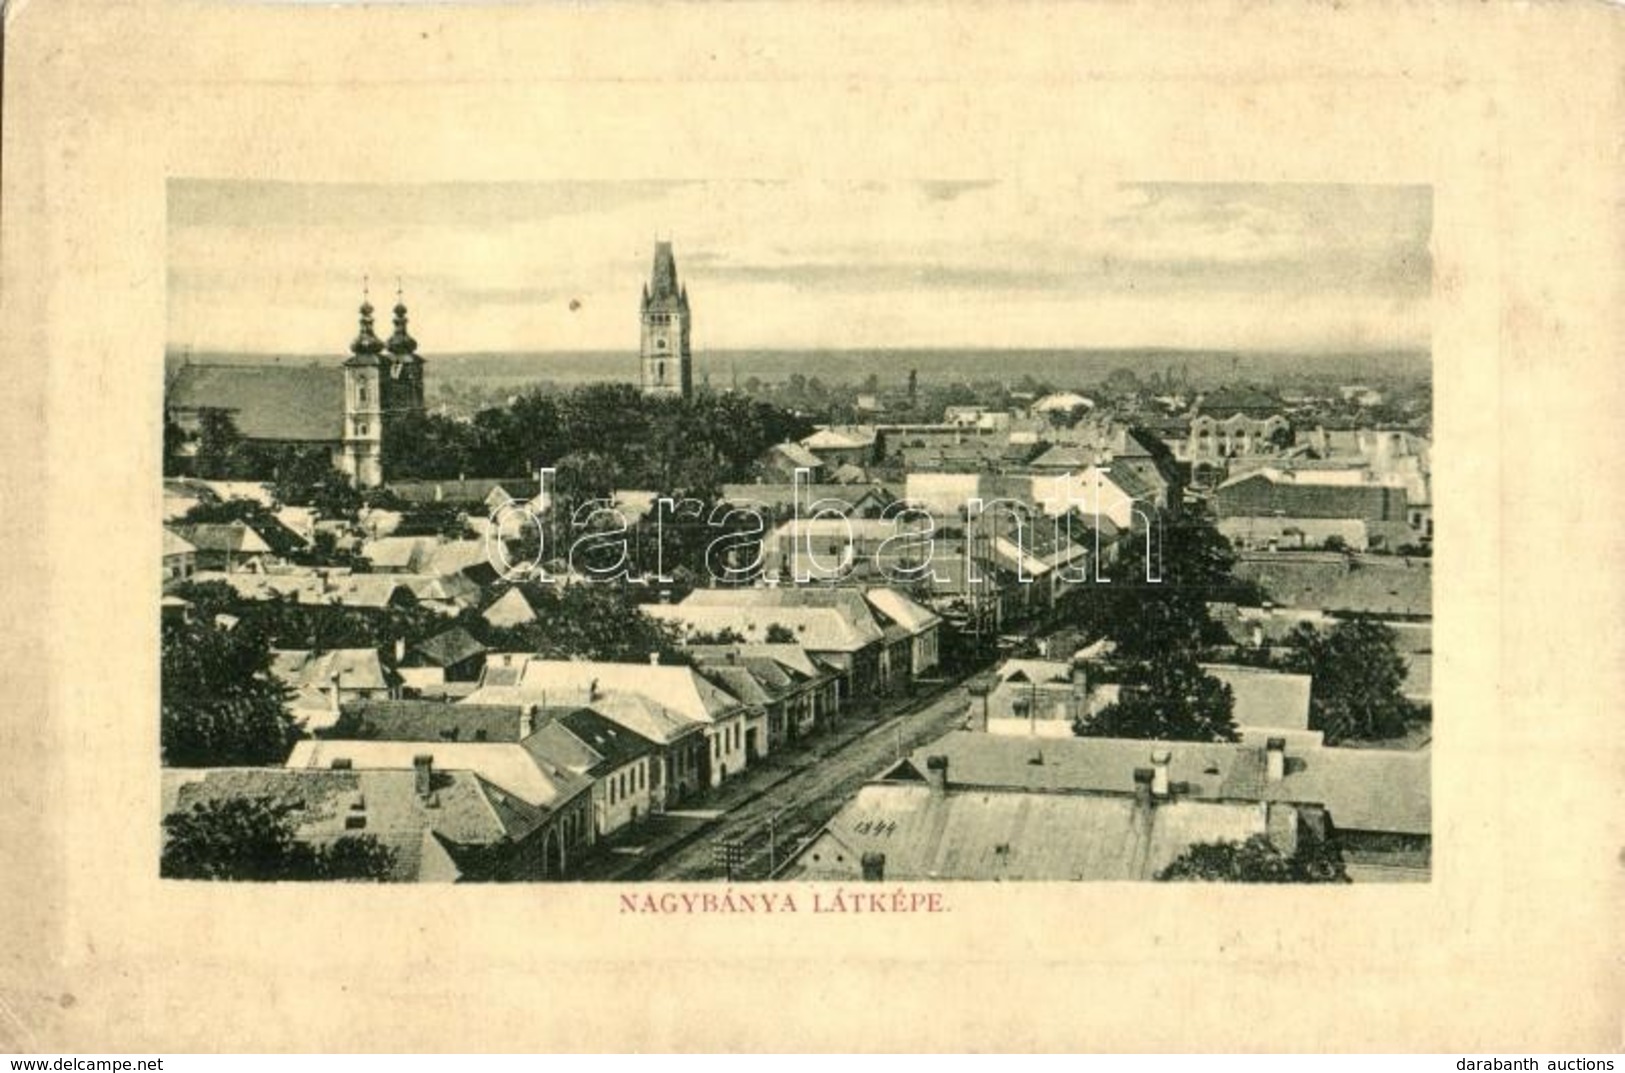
<point x="430" y="720"/>
<point x="267" y="402"/>
<point x="615" y="743"/>
<point x="449" y="648"/>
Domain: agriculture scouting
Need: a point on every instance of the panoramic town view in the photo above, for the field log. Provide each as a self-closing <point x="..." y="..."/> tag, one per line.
<point x="762" y="533"/>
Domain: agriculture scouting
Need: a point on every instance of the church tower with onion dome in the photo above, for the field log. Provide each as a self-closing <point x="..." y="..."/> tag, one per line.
<point x="365" y="374"/>
<point x="382" y="383"/>
<point x="404" y="393"/>
<point x="667" y="365"/>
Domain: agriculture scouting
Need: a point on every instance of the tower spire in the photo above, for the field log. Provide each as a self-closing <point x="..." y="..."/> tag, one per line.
<point x="367" y="345"/>
<point x="401" y="344"/>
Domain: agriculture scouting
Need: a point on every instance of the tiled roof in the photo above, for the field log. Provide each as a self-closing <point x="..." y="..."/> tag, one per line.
<point x="617" y="744"/>
<point x="782" y="496"/>
<point x="1232" y="400"/>
<point x="841" y="437"/>
<point x="854" y="609"/>
<point x="1065" y="456"/>
<point x="175" y="544"/>
<point x="553" y="744"/>
<point x="237" y="538"/>
<point x="505" y="765"/>
<point x="462" y="490"/>
<point x="1375" y="585"/>
<point x="681" y="689"/>
<point x="374" y="591"/>
<point x="1005" y="835"/>
<point x="796" y="454"/>
<point x="434" y="721"/>
<point x="267" y="402"/>
<point x="645" y="717"/>
<point x="1034" y="670"/>
<point x="818" y="629"/>
<point x="451" y="647"/>
<point x="1362" y="789"/>
<point x="1265" y="698"/>
<point x="902" y="610"/>
<point x="386" y="802"/>
<point x="355" y="668"/>
<point x="396" y="552"/>
<point x="1061" y="402"/>
<point x="793" y="657"/>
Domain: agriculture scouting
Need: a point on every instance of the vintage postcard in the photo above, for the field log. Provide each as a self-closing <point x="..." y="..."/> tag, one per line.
<point x="789" y="527"/>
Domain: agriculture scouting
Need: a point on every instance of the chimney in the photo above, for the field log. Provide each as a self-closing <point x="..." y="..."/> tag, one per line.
<point x="936" y="773"/>
<point x="1275" y="760"/>
<point x="1143" y="777"/>
<point x="333" y="694"/>
<point x="423" y="768"/>
<point x="1159" y="772"/>
<point x="527" y="721"/>
<point x="874" y="867"/>
<point x="400" y="650"/>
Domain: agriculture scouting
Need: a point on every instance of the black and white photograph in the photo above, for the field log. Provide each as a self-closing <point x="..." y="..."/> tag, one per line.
<point x="700" y="530"/>
<point x="782" y="532"/>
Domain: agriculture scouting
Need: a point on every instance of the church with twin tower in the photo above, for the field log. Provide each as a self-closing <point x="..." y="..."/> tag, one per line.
<point x="667" y="364"/>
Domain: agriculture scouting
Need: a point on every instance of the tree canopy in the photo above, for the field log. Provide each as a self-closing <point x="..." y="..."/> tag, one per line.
<point x="1169" y="698"/>
<point x="255" y="838"/>
<point x="220" y="704"/>
<point x="1358" y="690"/>
<point x="598" y="437"/>
<point x="586" y="621"/>
<point x="1256" y="860"/>
<point x="1145" y="616"/>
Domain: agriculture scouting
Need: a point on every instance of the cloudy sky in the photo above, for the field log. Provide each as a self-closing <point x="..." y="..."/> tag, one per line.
<point x="277" y="268"/>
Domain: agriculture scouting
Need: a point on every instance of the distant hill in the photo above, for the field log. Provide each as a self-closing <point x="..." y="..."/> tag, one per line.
<point x="1062" y="367"/>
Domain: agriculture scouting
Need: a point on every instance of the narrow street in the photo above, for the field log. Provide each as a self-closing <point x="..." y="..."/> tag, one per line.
<point x="768" y="811"/>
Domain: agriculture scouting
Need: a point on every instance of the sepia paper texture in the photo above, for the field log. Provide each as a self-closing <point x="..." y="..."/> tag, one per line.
<point x="1511" y="113"/>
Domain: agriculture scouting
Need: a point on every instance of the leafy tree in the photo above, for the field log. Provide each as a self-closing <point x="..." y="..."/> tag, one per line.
<point x="587" y="621"/>
<point x="358" y="858"/>
<point x="248" y="838"/>
<point x="208" y="598"/>
<point x="780" y="634"/>
<point x="1256" y="860"/>
<point x="237" y="509"/>
<point x="1166" y="699"/>
<point x="218" y="442"/>
<point x="220" y="704"/>
<point x="430" y="445"/>
<point x="255" y="838"/>
<point x="1358" y="679"/>
<point x="724" y="636"/>
<point x="175" y="440"/>
<point x="1192" y="565"/>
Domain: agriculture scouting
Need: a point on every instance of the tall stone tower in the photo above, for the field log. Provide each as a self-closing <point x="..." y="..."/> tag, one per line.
<point x="365" y="382"/>
<point x="668" y="367"/>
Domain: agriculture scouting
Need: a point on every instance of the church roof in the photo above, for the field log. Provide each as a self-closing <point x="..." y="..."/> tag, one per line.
<point x="268" y="402"/>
